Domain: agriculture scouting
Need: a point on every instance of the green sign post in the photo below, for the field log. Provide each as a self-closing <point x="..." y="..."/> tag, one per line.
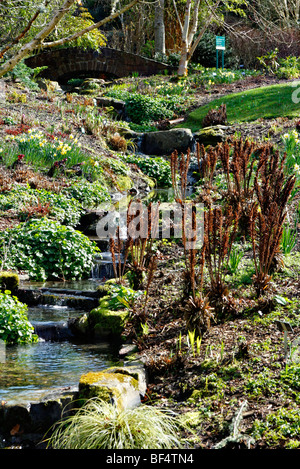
<point x="220" y="45"/>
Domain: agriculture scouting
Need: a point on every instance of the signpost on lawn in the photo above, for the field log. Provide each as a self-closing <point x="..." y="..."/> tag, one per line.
<point x="220" y="45"/>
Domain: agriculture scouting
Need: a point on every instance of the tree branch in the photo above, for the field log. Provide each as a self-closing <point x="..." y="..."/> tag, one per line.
<point x="177" y="14"/>
<point x="37" y="42"/>
<point x="207" y="23"/>
<point x="60" y="42"/>
<point x="22" y="34"/>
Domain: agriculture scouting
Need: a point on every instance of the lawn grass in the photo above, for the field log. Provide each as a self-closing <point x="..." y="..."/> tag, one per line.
<point x="266" y="102"/>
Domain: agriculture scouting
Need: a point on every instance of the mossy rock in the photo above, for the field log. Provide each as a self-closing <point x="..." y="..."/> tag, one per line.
<point x="115" y="385"/>
<point x="211" y="136"/>
<point x="124" y="183"/>
<point x="9" y="281"/>
<point x="91" y="86"/>
<point x="105" y="322"/>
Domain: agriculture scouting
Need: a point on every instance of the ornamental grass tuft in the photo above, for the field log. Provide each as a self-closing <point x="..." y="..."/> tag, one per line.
<point x="101" y="425"/>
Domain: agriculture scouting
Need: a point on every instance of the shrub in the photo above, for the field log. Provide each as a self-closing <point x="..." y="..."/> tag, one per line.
<point x="14" y="325"/>
<point x="48" y="250"/>
<point x="100" y="425"/>
<point x="89" y="194"/>
<point x="28" y="202"/>
<point x="142" y="109"/>
<point x="156" y="168"/>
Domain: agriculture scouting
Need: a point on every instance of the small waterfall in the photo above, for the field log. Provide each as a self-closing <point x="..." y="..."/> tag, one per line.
<point x="103" y="266"/>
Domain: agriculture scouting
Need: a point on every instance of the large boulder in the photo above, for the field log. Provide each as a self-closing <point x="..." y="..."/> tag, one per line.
<point x="164" y="142"/>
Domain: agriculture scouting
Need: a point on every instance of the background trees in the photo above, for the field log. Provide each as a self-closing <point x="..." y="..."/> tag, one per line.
<point x="42" y="25"/>
<point x="157" y="28"/>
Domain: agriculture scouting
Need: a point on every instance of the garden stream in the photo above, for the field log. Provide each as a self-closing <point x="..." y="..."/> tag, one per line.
<point x="57" y="361"/>
<point x="29" y="373"/>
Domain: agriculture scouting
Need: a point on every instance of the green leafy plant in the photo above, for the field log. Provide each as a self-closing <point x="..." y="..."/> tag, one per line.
<point x="48" y="250"/>
<point x="101" y="425"/>
<point x="143" y="109"/>
<point x="156" y="168"/>
<point x="282" y="427"/>
<point x="234" y="259"/>
<point x="270" y="61"/>
<point x="26" y="74"/>
<point x="28" y="202"/>
<point x="288" y="240"/>
<point x="89" y="194"/>
<point x="157" y="104"/>
<point x="288" y="67"/>
<point x="14" y="325"/>
<point x="121" y="295"/>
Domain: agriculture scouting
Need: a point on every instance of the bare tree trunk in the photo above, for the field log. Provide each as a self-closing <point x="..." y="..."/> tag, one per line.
<point x="183" y="63"/>
<point x="186" y="38"/>
<point x="189" y="29"/>
<point x="159" y="28"/>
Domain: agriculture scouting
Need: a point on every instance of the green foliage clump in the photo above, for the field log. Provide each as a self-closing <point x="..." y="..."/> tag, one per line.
<point x="26" y="75"/>
<point x="66" y="210"/>
<point x="101" y="425"/>
<point x="121" y="296"/>
<point x="288" y="67"/>
<point x="89" y="194"/>
<point x="156" y="168"/>
<point x="280" y="427"/>
<point x="48" y="250"/>
<point x="142" y="109"/>
<point x="14" y="325"/>
<point x="80" y="18"/>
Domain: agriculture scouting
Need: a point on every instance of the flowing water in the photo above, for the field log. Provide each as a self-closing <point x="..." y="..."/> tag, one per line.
<point x="31" y="372"/>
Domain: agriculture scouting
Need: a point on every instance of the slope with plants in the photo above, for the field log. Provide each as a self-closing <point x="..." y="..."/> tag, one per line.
<point x="209" y="326"/>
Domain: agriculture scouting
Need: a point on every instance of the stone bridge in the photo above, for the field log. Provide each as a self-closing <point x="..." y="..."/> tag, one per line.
<point x="64" y="64"/>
